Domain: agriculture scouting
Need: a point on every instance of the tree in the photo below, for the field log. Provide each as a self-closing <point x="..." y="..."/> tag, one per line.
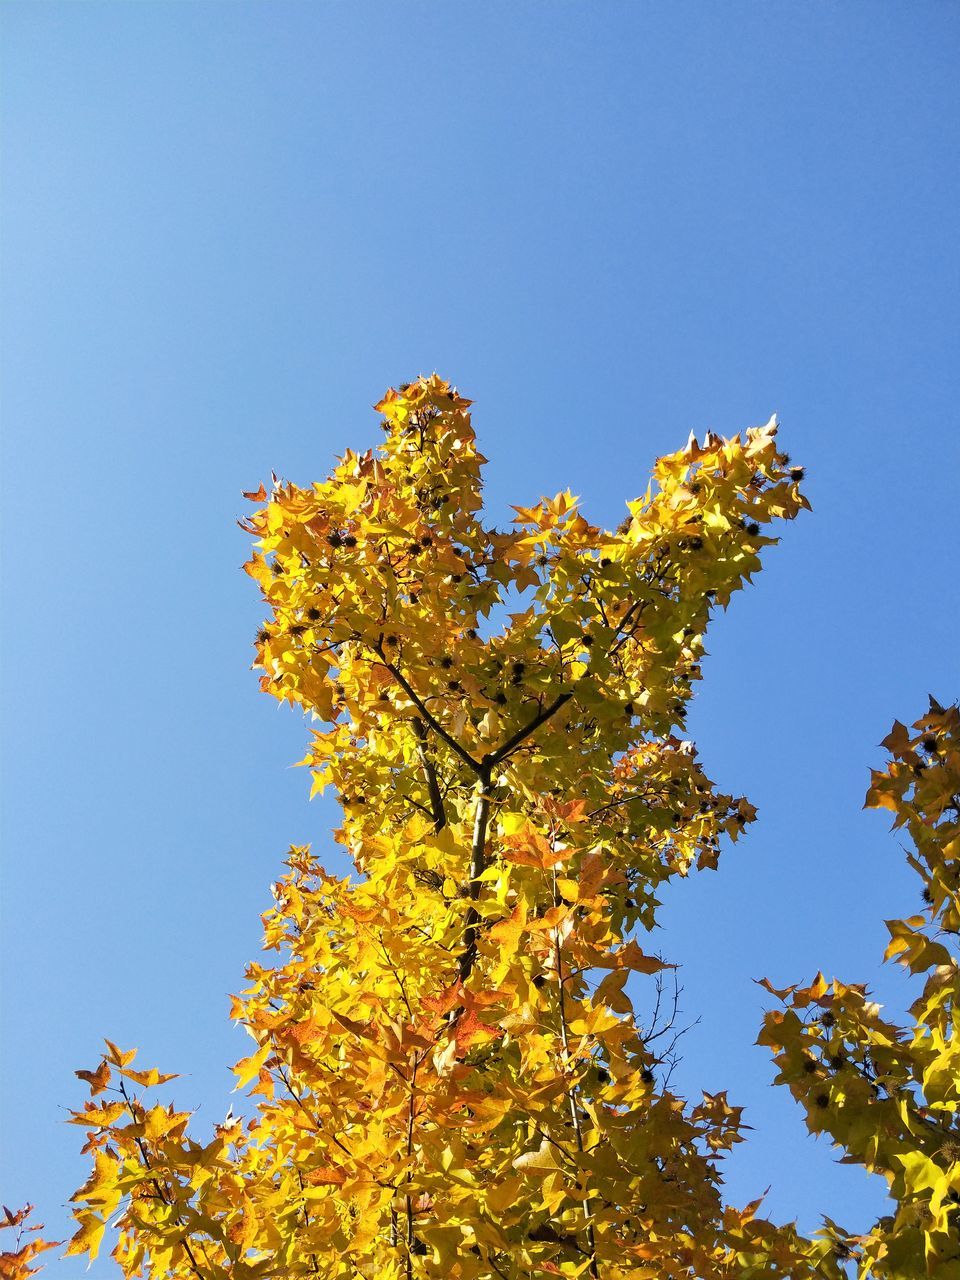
<point x="889" y="1096"/>
<point x="449" y="1077"/>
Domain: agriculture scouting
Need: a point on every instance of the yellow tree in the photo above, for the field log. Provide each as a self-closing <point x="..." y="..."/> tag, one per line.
<point x="448" y="1076"/>
<point x="889" y="1096"/>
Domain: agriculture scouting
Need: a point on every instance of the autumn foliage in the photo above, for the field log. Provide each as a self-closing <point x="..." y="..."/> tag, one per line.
<point x="18" y="1262"/>
<point x="459" y="1053"/>
<point x="889" y="1096"/>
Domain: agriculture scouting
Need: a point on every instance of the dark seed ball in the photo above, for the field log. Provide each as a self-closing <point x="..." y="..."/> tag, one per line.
<point x="454" y="686"/>
<point x="929" y="744"/>
<point x="313" y="614"/>
<point x="426" y="540"/>
<point x="628" y="708"/>
<point x="696" y="544"/>
<point x="797" y="473"/>
<point x="263" y="635"/>
<point x="588" y="639"/>
<point x="809" y="1066"/>
<point x="334" y="539"/>
<point x="471" y="634"/>
<point x="413" y="549"/>
<point x="446" y="663"/>
<point x="822" y="1100"/>
<point x="603" y="1075"/>
<point x="349" y="540"/>
<point x="836" y="1062"/>
<point x="539" y="981"/>
<point x="518" y="668"/>
<point x="500" y="699"/>
<point x="753" y="528"/>
<point x="647" y="1076"/>
<point x="828" y="1019"/>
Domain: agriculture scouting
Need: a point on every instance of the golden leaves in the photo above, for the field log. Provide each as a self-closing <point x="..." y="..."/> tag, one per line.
<point x="448" y="1075"/>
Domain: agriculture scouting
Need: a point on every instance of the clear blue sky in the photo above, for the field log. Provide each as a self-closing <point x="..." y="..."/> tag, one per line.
<point x="226" y="229"/>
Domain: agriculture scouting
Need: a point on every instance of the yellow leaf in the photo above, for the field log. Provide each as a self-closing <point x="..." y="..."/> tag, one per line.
<point x="247" y="1068"/>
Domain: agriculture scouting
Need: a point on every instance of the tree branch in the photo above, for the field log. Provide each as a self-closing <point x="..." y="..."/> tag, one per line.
<point x="430" y="719"/>
<point x="430" y="774"/>
<point x="513" y="742"/>
<point x="572" y="1090"/>
<point x="159" y="1188"/>
<point x="477" y="867"/>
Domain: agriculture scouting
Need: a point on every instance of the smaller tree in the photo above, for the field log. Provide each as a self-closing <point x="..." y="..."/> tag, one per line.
<point x="889" y="1095"/>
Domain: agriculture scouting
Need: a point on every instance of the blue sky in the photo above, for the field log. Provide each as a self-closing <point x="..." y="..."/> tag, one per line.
<point x="226" y="229"/>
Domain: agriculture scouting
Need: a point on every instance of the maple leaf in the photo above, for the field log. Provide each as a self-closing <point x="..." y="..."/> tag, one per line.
<point x="97" y="1080"/>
